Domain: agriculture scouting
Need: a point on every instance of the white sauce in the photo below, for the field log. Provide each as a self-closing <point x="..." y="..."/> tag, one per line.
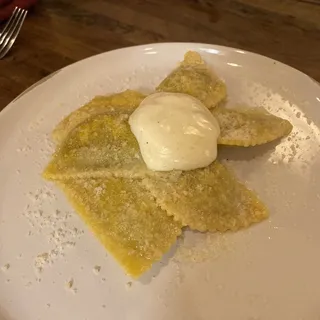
<point x="175" y="131"/>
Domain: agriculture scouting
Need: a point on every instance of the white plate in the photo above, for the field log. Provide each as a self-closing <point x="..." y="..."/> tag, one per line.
<point x="270" y="271"/>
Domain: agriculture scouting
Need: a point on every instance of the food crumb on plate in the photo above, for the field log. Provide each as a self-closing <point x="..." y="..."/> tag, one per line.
<point x="69" y="284"/>
<point x="6" y="267"/>
<point x="128" y="285"/>
<point x="96" y="270"/>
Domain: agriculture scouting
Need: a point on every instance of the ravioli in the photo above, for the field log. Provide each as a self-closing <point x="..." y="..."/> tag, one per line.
<point x="99" y="147"/>
<point x="194" y="77"/>
<point x="249" y="126"/>
<point x="123" y="102"/>
<point x="136" y="213"/>
<point x="104" y="145"/>
<point x="126" y="220"/>
<point x="209" y="199"/>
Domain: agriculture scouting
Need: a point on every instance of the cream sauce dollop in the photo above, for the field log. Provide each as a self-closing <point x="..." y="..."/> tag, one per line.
<point x="175" y="131"/>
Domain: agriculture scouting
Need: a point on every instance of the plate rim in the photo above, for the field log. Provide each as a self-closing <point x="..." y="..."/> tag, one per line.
<point x="11" y="104"/>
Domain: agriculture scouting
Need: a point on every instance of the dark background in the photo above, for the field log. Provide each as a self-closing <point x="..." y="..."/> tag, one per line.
<point x="59" y="32"/>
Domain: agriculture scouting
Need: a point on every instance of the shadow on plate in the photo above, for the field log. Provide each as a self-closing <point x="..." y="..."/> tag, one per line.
<point x="157" y="267"/>
<point x="246" y="153"/>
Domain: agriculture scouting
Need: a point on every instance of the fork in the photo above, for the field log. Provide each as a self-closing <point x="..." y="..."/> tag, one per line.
<point x="11" y="30"/>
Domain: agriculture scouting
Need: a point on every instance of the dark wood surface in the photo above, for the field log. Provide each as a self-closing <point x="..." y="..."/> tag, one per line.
<point x="59" y="32"/>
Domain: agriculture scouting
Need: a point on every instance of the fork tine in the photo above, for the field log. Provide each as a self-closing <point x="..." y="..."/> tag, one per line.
<point x="12" y="38"/>
<point x="6" y="37"/>
<point x="16" y="9"/>
<point x="11" y="26"/>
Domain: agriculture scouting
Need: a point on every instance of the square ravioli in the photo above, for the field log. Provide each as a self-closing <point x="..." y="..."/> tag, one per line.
<point x="125" y="218"/>
<point x="101" y="146"/>
<point x="122" y="102"/>
<point x="209" y="199"/>
<point x="246" y="127"/>
<point x="195" y="78"/>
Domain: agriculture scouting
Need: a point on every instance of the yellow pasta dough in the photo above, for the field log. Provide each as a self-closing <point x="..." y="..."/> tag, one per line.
<point x="194" y="77"/>
<point x="98" y="147"/>
<point x="126" y="220"/>
<point x="104" y="145"/>
<point x="249" y="126"/>
<point x="123" y="102"/>
<point x="209" y="199"/>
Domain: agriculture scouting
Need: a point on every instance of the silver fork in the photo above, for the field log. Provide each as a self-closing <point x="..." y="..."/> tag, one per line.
<point x="11" y="30"/>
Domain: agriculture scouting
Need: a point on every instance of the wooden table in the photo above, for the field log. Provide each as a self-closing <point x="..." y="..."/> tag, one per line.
<point x="59" y="32"/>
